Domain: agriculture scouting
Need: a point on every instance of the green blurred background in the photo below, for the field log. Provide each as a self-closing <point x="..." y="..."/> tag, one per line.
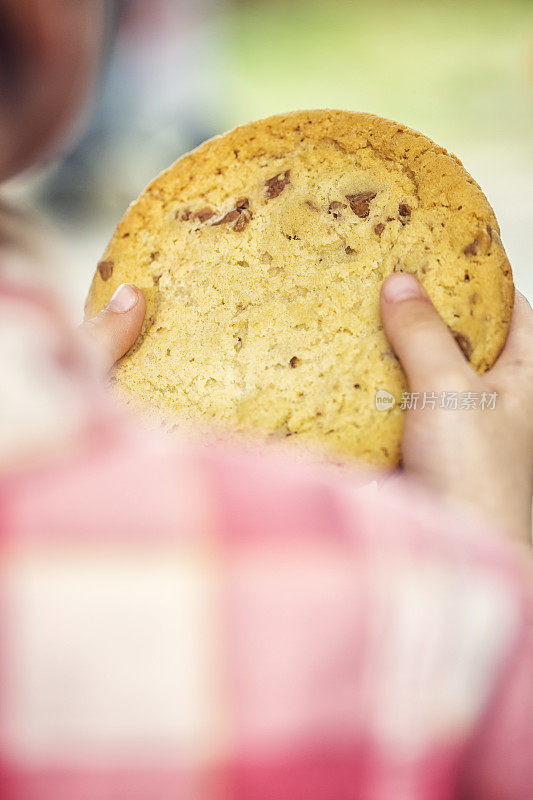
<point x="456" y="70"/>
<point x="184" y="70"/>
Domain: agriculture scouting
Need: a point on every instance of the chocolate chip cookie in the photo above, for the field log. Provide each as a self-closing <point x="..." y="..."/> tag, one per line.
<point x="261" y="255"/>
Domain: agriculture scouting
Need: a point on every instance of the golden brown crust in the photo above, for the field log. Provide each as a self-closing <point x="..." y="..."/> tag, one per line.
<point x="404" y="203"/>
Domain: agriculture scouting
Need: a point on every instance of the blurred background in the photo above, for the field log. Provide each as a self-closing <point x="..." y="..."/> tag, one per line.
<point x="180" y="71"/>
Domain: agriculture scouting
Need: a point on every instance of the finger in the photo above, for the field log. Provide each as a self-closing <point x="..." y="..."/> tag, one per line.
<point x="116" y="328"/>
<point x="518" y="350"/>
<point x="427" y="350"/>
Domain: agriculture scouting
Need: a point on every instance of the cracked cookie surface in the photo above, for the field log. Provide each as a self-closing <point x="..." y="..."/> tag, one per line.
<point x="261" y="255"/>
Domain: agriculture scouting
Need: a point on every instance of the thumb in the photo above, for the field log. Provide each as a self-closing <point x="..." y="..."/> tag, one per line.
<point x="422" y="341"/>
<point x="516" y="357"/>
<point x="116" y="328"/>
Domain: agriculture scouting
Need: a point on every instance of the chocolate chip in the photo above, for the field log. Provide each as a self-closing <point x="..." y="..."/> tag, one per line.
<point x="312" y="205"/>
<point x="357" y="386"/>
<point x="184" y="214"/>
<point x="360" y="203"/>
<point x="335" y="207"/>
<point x="294" y="361"/>
<point x="105" y="268"/>
<point x="240" y="215"/>
<point x="274" y="186"/>
<point x="464" y="343"/>
<point x="231" y="216"/>
<point x="204" y="214"/>
<point x="154" y="255"/>
<point x="405" y="213"/>
<point x="380" y="227"/>
<point x="242" y="222"/>
<point x="481" y="243"/>
<point x="471" y="249"/>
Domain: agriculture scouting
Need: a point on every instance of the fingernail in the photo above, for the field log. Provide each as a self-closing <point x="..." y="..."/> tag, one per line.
<point x="124" y="298"/>
<point x="401" y="286"/>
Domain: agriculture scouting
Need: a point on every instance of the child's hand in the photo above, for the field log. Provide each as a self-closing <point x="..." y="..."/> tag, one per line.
<point x="115" y="329"/>
<point x="482" y="457"/>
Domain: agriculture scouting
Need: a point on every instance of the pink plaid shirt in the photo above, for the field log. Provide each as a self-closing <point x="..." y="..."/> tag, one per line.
<point x="189" y="622"/>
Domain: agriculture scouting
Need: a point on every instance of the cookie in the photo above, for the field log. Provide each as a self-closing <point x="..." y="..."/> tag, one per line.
<point x="261" y="255"/>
